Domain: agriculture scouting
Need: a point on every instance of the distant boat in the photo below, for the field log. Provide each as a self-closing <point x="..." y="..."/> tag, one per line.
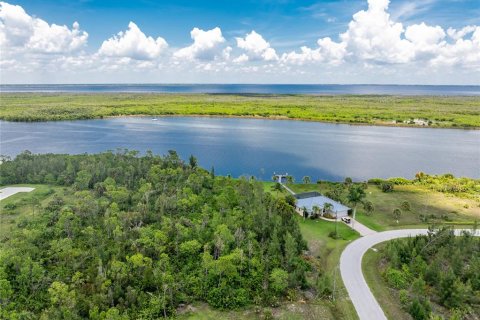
<point x="154" y="119"/>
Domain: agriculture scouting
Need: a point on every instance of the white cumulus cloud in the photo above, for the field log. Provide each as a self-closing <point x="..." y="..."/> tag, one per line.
<point x="20" y="32"/>
<point x="134" y="44"/>
<point x="207" y="46"/>
<point x="328" y="51"/>
<point x="256" y="48"/>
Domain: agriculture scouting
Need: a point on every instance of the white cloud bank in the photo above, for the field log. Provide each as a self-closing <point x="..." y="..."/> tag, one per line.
<point x="373" y="37"/>
<point x="206" y="46"/>
<point x="134" y="44"/>
<point x="21" y="32"/>
<point x="256" y="48"/>
<point x="373" y="43"/>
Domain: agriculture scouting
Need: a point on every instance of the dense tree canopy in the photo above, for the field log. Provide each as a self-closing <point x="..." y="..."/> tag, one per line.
<point x="135" y="236"/>
<point x="436" y="275"/>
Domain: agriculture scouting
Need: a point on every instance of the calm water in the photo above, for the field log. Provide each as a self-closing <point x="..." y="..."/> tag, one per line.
<point x="251" y="88"/>
<point x="260" y="147"/>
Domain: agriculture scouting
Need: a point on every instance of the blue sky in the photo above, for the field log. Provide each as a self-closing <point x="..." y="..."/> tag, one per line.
<point x="280" y="21"/>
<point x="281" y="29"/>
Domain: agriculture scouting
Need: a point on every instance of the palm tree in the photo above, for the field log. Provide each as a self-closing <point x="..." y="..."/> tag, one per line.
<point x="368" y="206"/>
<point x="348" y="181"/>
<point x="356" y="193"/>
<point x="275" y="178"/>
<point x="306" y="180"/>
<point x="290" y="179"/>
<point x="316" y="210"/>
<point x="327" y="207"/>
<point x="305" y="212"/>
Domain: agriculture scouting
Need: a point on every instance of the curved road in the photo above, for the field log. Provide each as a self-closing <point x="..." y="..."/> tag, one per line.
<point x="351" y="270"/>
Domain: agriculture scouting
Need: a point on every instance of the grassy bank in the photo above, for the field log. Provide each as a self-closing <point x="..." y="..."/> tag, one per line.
<point x="442" y="112"/>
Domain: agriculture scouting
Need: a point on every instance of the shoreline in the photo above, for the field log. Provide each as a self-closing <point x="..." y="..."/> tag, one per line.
<point x="360" y="110"/>
<point x="273" y="118"/>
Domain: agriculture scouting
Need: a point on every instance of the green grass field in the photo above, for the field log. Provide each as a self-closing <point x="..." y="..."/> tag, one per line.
<point x="461" y="112"/>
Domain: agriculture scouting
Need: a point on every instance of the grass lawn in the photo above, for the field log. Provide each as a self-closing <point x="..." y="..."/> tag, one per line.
<point x="327" y="253"/>
<point x="23" y="202"/>
<point x="386" y="297"/>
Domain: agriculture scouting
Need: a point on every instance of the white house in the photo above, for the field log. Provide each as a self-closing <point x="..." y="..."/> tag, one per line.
<point x="308" y="200"/>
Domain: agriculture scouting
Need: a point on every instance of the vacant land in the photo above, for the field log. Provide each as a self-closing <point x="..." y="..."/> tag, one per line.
<point x="24" y="205"/>
<point x="461" y="112"/>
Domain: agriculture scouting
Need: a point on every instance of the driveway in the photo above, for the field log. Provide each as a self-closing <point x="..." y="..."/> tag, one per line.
<point x="10" y="191"/>
<point x="351" y="270"/>
<point x="361" y="228"/>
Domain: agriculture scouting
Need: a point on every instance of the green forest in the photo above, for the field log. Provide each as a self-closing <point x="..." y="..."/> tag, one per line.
<point x="431" y="111"/>
<point x="134" y="237"/>
<point x="435" y="276"/>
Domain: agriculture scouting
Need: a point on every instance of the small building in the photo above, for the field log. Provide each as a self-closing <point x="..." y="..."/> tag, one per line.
<point x="308" y="200"/>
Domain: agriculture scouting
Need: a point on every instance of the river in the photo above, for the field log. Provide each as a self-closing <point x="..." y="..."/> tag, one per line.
<point x="260" y="147"/>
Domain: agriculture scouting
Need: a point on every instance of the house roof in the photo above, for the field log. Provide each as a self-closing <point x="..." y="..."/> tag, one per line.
<point x="310" y="199"/>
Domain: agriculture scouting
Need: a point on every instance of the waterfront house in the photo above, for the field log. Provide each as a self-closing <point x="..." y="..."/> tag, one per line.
<point x="309" y="200"/>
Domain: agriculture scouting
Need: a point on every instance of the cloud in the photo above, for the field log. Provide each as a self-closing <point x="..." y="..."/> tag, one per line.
<point x="328" y="51"/>
<point x="207" y="46"/>
<point x="373" y="46"/>
<point x="134" y="44"/>
<point x="374" y="38"/>
<point x="20" y="32"/>
<point x="256" y="48"/>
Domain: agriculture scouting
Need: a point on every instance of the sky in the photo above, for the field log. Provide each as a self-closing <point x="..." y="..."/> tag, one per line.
<point x="262" y="41"/>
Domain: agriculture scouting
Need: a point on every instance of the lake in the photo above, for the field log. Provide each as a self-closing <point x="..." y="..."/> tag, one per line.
<point x="260" y="147"/>
<point x="330" y="89"/>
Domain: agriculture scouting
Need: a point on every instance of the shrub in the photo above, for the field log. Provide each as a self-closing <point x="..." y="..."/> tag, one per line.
<point x="397" y="213"/>
<point x="386" y="186"/>
<point x="10" y="206"/>
<point x="420" y="309"/>
<point x="404" y="298"/>
<point x="406" y="206"/>
<point x="399" y="181"/>
<point x="324" y="286"/>
<point x="376" y="181"/>
<point x="396" y="278"/>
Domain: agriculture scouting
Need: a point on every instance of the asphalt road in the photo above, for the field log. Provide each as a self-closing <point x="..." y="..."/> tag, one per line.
<point x="351" y="270"/>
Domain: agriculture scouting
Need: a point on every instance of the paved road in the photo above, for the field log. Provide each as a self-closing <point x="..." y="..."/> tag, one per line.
<point x="351" y="270"/>
<point x="10" y="191"/>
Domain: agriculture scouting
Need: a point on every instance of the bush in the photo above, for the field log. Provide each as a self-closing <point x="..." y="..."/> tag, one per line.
<point x="324" y="286"/>
<point x="10" y="206"/>
<point x="404" y="297"/>
<point x="397" y="213"/>
<point x="396" y="278"/>
<point x="290" y="200"/>
<point x="386" y="186"/>
<point x="420" y="309"/>
<point x="406" y="206"/>
<point x="376" y="181"/>
<point x="399" y="181"/>
<point x="334" y="235"/>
